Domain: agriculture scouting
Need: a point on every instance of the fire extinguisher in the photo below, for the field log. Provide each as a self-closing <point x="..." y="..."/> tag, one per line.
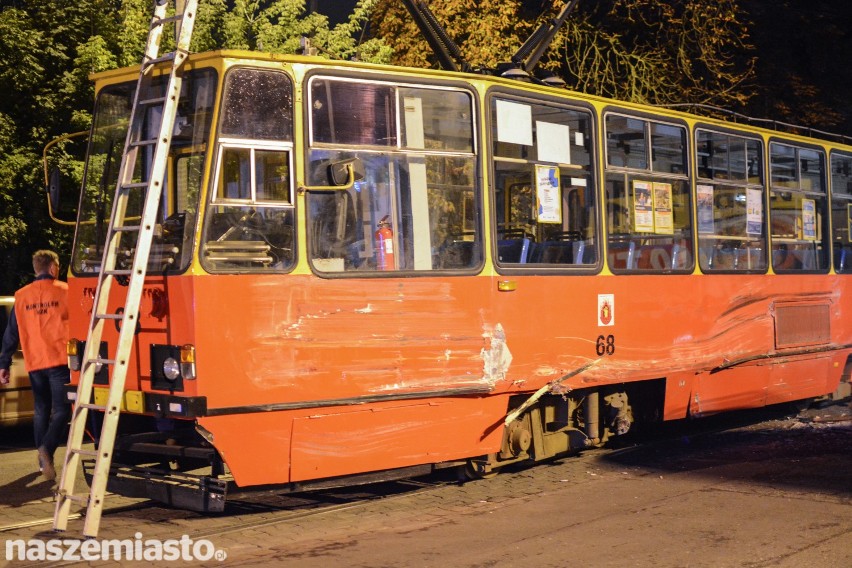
<point x="384" y="245"/>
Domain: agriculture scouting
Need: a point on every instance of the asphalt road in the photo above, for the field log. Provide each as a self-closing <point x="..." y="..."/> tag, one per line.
<point x="758" y="490"/>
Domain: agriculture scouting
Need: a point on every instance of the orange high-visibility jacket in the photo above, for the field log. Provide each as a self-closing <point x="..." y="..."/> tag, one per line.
<point x="41" y="311"/>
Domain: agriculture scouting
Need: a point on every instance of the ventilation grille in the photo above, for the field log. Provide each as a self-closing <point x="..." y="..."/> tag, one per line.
<point x="797" y="326"/>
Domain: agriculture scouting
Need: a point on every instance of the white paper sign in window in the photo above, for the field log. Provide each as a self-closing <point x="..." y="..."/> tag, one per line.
<point x="514" y="123"/>
<point x="554" y="142"/>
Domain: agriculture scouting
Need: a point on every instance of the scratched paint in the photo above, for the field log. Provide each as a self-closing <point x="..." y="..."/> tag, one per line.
<point x="496" y="357"/>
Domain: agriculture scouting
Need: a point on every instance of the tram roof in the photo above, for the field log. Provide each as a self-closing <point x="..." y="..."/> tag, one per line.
<point x="747" y="123"/>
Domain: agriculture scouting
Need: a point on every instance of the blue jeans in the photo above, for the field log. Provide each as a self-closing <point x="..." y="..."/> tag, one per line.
<point x="52" y="409"/>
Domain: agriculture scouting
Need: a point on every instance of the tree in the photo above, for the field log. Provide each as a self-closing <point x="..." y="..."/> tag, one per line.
<point x="487" y="34"/>
<point x="801" y="75"/>
<point x="51" y="46"/>
<point x="637" y="50"/>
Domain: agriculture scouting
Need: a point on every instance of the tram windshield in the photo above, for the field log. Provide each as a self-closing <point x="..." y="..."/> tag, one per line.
<point x="250" y="217"/>
<point x="172" y="245"/>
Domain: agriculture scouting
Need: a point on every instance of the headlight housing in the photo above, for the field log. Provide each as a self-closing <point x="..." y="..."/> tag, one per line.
<point x="171" y="365"/>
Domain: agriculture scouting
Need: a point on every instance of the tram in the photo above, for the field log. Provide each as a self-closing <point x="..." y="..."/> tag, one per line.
<point x="363" y="271"/>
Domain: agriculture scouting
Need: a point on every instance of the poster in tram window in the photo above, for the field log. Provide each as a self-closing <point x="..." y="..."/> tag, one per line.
<point x="754" y="212"/>
<point x="663" y="218"/>
<point x="849" y="222"/>
<point x="704" y="195"/>
<point x="809" y="231"/>
<point x="643" y="207"/>
<point x="548" y="197"/>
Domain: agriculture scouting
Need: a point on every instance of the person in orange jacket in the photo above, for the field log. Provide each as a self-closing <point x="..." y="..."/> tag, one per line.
<point x="39" y="321"/>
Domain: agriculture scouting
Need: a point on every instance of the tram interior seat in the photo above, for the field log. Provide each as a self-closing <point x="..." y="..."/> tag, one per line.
<point x="723" y="256"/>
<point x="513" y="250"/>
<point x="622" y="255"/>
<point x="558" y="252"/>
<point x="457" y="253"/>
<point x="524" y="251"/>
<point x="627" y="255"/>
<point x="801" y="256"/>
<point x="841" y="257"/>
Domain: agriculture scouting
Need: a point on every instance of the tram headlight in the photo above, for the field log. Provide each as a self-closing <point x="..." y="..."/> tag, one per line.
<point x="171" y="368"/>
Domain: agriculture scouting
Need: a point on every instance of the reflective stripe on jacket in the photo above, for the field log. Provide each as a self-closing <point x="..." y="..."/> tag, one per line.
<point x="41" y="310"/>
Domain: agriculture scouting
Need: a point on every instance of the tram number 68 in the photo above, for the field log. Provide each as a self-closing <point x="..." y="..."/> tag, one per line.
<point x="605" y="345"/>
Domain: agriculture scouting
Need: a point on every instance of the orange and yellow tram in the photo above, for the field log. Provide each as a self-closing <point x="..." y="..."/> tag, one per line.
<point x="363" y="271"/>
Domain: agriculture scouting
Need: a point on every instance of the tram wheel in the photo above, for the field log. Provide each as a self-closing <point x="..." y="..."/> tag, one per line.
<point x="480" y="468"/>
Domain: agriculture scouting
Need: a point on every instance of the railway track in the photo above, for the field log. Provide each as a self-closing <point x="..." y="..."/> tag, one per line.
<point x="276" y="508"/>
<point x="252" y="510"/>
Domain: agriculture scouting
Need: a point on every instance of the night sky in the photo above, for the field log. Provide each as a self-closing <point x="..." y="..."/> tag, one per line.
<point x="336" y="10"/>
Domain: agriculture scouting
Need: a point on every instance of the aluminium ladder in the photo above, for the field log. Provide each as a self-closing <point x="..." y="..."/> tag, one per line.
<point x="149" y="189"/>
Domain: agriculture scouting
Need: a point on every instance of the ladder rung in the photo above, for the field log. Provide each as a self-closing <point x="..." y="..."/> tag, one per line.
<point x="166" y="57"/>
<point x="85" y="453"/>
<point x="111" y="316"/>
<point x="167" y="20"/>
<point x="125" y="228"/>
<point x="82" y="499"/>
<point x="117" y="273"/>
<point x="138" y="143"/>
<point x="92" y="406"/>
<point x="135" y="185"/>
<point x="154" y="101"/>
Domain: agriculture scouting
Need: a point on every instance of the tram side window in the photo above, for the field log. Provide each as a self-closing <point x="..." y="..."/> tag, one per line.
<point x="730" y="200"/>
<point x="415" y="207"/>
<point x="544" y="190"/>
<point x="798" y="203"/>
<point x="648" y="214"/>
<point x="841" y="211"/>
<point x="249" y="225"/>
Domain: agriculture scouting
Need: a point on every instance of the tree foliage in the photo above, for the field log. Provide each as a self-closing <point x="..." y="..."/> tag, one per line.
<point x="654" y="52"/>
<point x="776" y="60"/>
<point x="638" y="50"/>
<point x="50" y="47"/>
<point x="487" y="31"/>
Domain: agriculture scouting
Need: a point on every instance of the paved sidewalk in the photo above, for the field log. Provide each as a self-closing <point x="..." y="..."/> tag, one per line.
<point x="27" y="498"/>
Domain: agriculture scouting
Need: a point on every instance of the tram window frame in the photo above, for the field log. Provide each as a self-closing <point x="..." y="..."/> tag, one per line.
<point x="798" y="243"/>
<point x="644" y="235"/>
<point x="177" y="215"/>
<point x="421" y="181"/>
<point x="841" y="211"/>
<point x="729" y="178"/>
<point x="249" y="232"/>
<point x="563" y="238"/>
